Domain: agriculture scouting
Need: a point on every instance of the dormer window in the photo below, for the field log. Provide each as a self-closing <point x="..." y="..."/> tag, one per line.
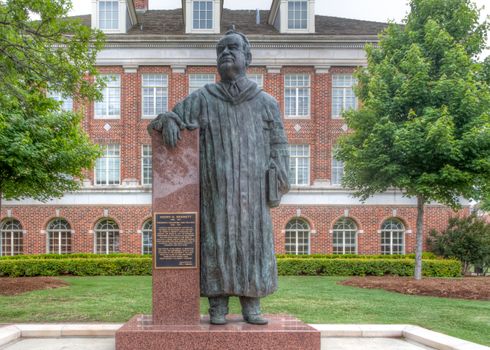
<point x="109" y="14"/>
<point x="293" y="16"/>
<point x="298" y="14"/>
<point x="202" y="15"/>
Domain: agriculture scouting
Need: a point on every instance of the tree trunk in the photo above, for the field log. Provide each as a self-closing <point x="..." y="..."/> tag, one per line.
<point x="420" y="231"/>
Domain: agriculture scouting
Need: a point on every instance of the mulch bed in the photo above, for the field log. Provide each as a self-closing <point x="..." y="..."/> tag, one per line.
<point x="13" y="286"/>
<point x="472" y="288"/>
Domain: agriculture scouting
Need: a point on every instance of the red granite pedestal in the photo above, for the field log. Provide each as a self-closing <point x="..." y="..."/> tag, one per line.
<point x="282" y="333"/>
<point x="176" y="323"/>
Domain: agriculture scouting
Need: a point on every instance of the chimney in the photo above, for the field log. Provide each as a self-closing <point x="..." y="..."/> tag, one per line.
<point x="257" y="16"/>
<point x="141" y="5"/>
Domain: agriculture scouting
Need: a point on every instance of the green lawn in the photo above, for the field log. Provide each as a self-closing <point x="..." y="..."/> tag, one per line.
<point x="312" y="299"/>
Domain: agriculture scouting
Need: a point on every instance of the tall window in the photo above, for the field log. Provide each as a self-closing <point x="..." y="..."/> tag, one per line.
<point x="110" y="106"/>
<point x="197" y="81"/>
<point x="297" y="95"/>
<point x="107" y="167"/>
<point x="147" y="233"/>
<point x="106" y="237"/>
<point x="146" y="167"/>
<point x="297" y="14"/>
<point x="257" y="79"/>
<point x="155" y="94"/>
<point x="297" y="237"/>
<point x="59" y="237"/>
<point x="345" y="237"/>
<point x="108" y="14"/>
<point x="392" y="237"/>
<point x="202" y="15"/>
<point x="66" y="102"/>
<point x="337" y="171"/>
<point x="11" y="242"/>
<point x="299" y="165"/>
<point x="343" y="97"/>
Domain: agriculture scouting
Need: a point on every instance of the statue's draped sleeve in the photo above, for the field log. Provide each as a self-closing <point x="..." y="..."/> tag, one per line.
<point x="279" y="147"/>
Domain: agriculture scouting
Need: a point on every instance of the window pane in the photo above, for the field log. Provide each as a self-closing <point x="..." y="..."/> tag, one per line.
<point x="202" y="15"/>
<point x="297" y="14"/>
<point x="109" y="107"/>
<point x="197" y="81"/>
<point x="297" y="237"/>
<point x="67" y="102"/>
<point x="11" y="238"/>
<point x="299" y="165"/>
<point x="108" y="14"/>
<point x="392" y="237"/>
<point x="106" y="237"/>
<point x="337" y="171"/>
<point x="297" y="95"/>
<point x="107" y="167"/>
<point x="343" y="97"/>
<point x="155" y="94"/>
<point x="146" y="165"/>
<point x="345" y="237"/>
<point x="147" y="237"/>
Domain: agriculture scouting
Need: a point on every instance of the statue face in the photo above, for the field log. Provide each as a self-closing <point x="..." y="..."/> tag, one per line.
<point x="232" y="61"/>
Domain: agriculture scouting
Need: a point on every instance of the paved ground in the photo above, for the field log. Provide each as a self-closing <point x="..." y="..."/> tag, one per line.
<point x="108" y="344"/>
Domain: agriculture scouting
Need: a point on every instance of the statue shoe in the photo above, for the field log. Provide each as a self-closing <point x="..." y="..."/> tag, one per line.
<point x="255" y="319"/>
<point x="217" y="319"/>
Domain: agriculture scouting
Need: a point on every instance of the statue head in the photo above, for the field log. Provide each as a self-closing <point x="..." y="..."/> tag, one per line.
<point x="234" y="55"/>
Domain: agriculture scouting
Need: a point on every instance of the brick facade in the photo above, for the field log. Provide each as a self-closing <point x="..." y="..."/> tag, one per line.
<point x="318" y="130"/>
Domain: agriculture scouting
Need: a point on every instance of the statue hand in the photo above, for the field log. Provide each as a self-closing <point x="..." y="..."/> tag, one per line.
<point x="168" y="127"/>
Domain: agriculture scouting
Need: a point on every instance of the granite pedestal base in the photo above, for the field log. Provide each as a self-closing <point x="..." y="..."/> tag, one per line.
<point x="282" y="333"/>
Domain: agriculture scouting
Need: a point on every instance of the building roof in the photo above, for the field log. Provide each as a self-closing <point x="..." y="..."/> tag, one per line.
<point x="170" y="22"/>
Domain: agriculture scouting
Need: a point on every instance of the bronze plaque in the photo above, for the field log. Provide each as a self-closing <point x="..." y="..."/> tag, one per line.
<point x="175" y="240"/>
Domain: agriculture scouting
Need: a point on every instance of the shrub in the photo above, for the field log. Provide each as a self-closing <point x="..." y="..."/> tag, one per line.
<point x="366" y="267"/>
<point x="103" y="266"/>
<point x="466" y="239"/>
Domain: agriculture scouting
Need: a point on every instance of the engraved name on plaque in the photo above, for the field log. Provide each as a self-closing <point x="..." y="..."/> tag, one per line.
<point x="175" y="240"/>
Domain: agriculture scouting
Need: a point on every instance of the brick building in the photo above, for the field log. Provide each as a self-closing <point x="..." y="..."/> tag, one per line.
<point x="153" y="59"/>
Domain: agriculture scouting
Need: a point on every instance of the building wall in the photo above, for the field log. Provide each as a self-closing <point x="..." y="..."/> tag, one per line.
<point x="319" y="130"/>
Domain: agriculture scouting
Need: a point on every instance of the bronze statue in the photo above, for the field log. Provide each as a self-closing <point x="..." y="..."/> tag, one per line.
<point x="244" y="165"/>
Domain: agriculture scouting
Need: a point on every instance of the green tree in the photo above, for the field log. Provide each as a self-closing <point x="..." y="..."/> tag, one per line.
<point x="42" y="148"/>
<point x="466" y="239"/>
<point x="424" y="125"/>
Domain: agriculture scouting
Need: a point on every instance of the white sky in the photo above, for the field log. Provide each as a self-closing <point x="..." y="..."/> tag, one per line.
<point x="373" y="10"/>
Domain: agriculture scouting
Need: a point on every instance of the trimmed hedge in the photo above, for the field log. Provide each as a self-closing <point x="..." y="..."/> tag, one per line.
<point x="366" y="267"/>
<point x="125" y="266"/>
<point x="425" y="256"/>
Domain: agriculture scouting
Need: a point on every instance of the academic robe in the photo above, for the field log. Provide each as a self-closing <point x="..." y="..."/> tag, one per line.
<point x="241" y="138"/>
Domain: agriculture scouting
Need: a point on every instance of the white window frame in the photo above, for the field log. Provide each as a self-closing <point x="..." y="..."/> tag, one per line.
<point x="106" y="231"/>
<point x="114" y="87"/>
<point x="343" y="89"/>
<point x="66" y="102"/>
<point x="199" y="80"/>
<point x="294" y="164"/>
<point x="107" y="156"/>
<point x="146" y="154"/>
<point x="296" y="95"/>
<point x="147" y="229"/>
<point x="305" y="2"/>
<point x="337" y="170"/>
<point x="199" y="15"/>
<point x="280" y="17"/>
<point x="117" y="16"/>
<point x="54" y="228"/>
<point x="391" y="231"/>
<point x="298" y="227"/>
<point x="11" y="232"/>
<point x="257" y="78"/>
<point x="341" y="226"/>
<point x="215" y="19"/>
<point x="152" y="84"/>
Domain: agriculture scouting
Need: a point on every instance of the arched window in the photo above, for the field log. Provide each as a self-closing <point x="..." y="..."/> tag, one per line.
<point x="147" y="233"/>
<point x="345" y="237"/>
<point x="392" y="237"/>
<point x="59" y="237"/>
<point x="297" y="237"/>
<point x="11" y="242"/>
<point x="106" y="237"/>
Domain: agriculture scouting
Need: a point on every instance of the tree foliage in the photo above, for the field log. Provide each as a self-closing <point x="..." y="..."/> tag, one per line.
<point x="424" y="123"/>
<point x="466" y="239"/>
<point x="42" y="148"/>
